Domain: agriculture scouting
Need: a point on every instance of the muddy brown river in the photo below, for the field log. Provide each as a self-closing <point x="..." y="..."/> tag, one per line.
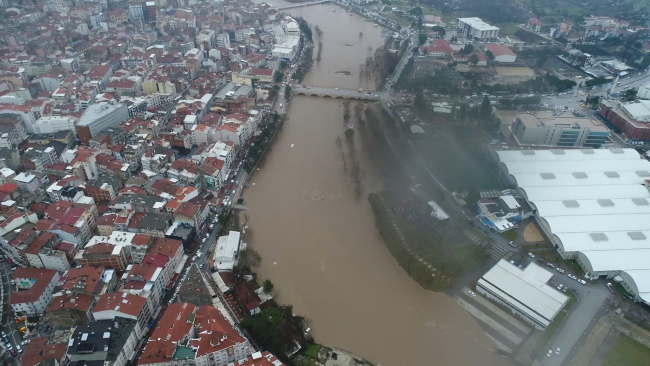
<point x="319" y="243"/>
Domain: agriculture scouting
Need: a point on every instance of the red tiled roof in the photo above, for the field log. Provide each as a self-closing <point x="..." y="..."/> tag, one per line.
<point x="84" y="278"/>
<point x="107" y="220"/>
<point x="157" y="352"/>
<point x="43" y="278"/>
<point x="499" y="49"/>
<point x="166" y="247"/>
<point x="266" y="359"/>
<point x="122" y="302"/>
<point x="79" y="302"/>
<point x="39" y="242"/>
<point x="8" y="187"/>
<point x="175" y="323"/>
<point x="215" y="332"/>
<point x="38" y="351"/>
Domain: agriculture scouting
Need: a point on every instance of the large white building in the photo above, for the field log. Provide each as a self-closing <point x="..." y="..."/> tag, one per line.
<point x="644" y="91"/>
<point x="525" y="292"/>
<point x="98" y="117"/>
<point x="593" y="205"/>
<point x="475" y="28"/>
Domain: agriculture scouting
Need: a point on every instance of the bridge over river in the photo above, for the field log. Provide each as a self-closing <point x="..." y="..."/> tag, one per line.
<point x="318" y="91"/>
<point x="298" y="5"/>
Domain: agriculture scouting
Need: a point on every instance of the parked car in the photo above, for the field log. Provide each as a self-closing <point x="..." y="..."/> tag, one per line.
<point x="550" y="265"/>
<point x="471" y="293"/>
<point x="557" y="351"/>
<point x="559" y="270"/>
<point x="512" y="244"/>
<point x="203" y="241"/>
<point x="572" y="276"/>
<point x="582" y="282"/>
<point x="531" y="255"/>
<point x="13" y="353"/>
<point x="550" y="353"/>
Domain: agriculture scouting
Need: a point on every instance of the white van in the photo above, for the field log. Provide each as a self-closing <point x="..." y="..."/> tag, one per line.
<point x="203" y="241"/>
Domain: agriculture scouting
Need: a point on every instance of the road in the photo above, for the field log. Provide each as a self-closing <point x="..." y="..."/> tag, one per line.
<point x="583" y="315"/>
<point x="8" y="325"/>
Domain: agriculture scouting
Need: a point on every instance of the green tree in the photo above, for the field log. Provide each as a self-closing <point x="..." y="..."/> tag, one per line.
<point x="417" y="11"/>
<point x="422" y="38"/>
<point x="472" y="197"/>
<point x="541" y="61"/>
<point x="273" y="93"/>
<point x="287" y="92"/>
<point x="441" y="31"/>
<point x="473" y="59"/>
<point x="419" y="103"/>
<point x="629" y="95"/>
<point x="267" y="328"/>
<point x="467" y="49"/>
<point x="268" y="286"/>
<point x="284" y="64"/>
<point x="489" y="55"/>
<point x="277" y="76"/>
<point x="349" y="134"/>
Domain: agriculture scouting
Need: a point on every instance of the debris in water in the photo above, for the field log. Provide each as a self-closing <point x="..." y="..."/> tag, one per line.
<point x="347" y="44"/>
<point x="274" y="263"/>
<point x="345" y="72"/>
<point x="291" y="145"/>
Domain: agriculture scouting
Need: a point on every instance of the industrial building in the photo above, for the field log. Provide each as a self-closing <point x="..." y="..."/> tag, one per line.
<point x="632" y="119"/>
<point x="476" y="29"/>
<point x="99" y="117"/>
<point x="593" y="205"/>
<point x="524" y="291"/>
<point x="544" y="128"/>
<point x="501" y="53"/>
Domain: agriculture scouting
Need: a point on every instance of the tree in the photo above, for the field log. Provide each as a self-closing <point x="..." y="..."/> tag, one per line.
<point x="284" y="64"/>
<point x="346" y="111"/>
<point x="273" y="93"/>
<point x="267" y="328"/>
<point x="268" y="286"/>
<point x="629" y="95"/>
<point x="419" y="103"/>
<point x="489" y="55"/>
<point x="472" y="197"/>
<point x="349" y="134"/>
<point x="473" y="59"/>
<point x="277" y="76"/>
<point x="467" y="49"/>
<point x="441" y="31"/>
<point x="422" y="38"/>
<point x="541" y="61"/>
<point x="250" y="258"/>
<point x="287" y="92"/>
<point x="417" y="11"/>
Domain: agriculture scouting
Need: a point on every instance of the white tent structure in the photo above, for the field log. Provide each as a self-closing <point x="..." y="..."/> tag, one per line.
<point x="594" y="206"/>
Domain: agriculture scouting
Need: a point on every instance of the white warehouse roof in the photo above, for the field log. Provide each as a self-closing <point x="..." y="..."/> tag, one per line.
<point x="525" y="289"/>
<point x="593" y="203"/>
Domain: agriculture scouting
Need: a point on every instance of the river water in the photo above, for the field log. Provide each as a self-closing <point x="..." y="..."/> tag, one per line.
<point x="319" y="243"/>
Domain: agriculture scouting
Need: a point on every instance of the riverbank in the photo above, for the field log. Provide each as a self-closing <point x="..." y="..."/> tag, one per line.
<point x="318" y="238"/>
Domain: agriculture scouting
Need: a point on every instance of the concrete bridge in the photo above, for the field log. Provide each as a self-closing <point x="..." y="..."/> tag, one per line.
<point x="298" y="5"/>
<point x="317" y="91"/>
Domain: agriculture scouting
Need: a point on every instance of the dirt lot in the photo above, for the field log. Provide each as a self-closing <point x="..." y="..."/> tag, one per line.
<point x="506" y="116"/>
<point x="514" y="71"/>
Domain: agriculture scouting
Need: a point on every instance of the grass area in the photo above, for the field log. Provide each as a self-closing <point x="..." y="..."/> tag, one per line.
<point x="626" y="351"/>
<point x="311" y="350"/>
<point x="548" y="332"/>
<point x="510" y="235"/>
<point x="441" y="244"/>
<point x="395" y="18"/>
<point x="637" y="323"/>
<point x="507" y="29"/>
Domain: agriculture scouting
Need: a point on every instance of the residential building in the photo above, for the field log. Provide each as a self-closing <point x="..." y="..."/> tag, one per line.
<point x="203" y="330"/>
<point x="134" y="245"/>
<point x="35" y="287"/>
<point x="54" y="124"/>
<point x="102" y="255"/>
<point x="69" y="310"/>
<point x="12" y="131"/>
<point x="146" y="281"/>
<point x="111" y="342"/>
<point x="125" y="305"/>
<point x="39" y="351"/>
<point x="103" y="189"/>
<point x="43" y="252"/>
